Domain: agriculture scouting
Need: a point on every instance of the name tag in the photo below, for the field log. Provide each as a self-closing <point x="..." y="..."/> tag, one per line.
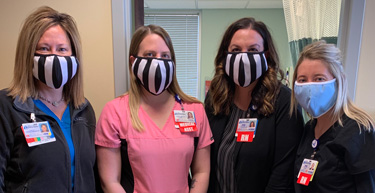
<point x="246" y="129"/>
<point x="307" y="171"/>
<point x="37" y="133"/>
<point x="185" y="121"/>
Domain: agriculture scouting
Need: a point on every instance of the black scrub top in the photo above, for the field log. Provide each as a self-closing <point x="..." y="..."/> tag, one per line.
<point x="346" y="157"/>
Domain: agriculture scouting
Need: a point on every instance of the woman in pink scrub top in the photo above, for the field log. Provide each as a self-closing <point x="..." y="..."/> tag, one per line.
<point x="144" y="141"/>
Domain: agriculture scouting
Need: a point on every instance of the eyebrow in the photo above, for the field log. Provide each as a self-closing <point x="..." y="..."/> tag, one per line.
<point x="252" y="45"/>
<point x="166" y="52"/>
<point x="255" y="45"/>
<point x="47" y="44"/>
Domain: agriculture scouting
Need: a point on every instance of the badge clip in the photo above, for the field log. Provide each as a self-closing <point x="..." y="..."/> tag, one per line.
<point x="32" y="117"/>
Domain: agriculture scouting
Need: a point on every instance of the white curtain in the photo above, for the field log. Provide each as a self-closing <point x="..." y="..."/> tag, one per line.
<point x="311" y="20"/>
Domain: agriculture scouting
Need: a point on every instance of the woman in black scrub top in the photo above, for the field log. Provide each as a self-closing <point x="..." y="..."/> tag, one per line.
<point x="338" y="145"/>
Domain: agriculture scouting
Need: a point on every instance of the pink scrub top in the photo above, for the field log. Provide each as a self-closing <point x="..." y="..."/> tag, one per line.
<point x="159" y="158"/>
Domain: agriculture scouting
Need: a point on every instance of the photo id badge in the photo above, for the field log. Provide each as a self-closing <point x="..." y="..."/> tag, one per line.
<point x="246" y="129"/>
<point x="37" y="133"/>
<point x="185" y="121"/>
<point x="307" y="171"/>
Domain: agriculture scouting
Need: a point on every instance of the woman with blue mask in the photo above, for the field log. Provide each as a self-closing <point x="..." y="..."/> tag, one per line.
<point x="47" y="126"/>
<point x="247" y="107"/>
<point x="336" y="153"/>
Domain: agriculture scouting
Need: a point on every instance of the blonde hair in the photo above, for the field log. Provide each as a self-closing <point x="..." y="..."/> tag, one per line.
<point x="23" y="83"/>
<point x="330" y="55"/>
<point x="135" y="92"/>
<point x="265" y="93"/>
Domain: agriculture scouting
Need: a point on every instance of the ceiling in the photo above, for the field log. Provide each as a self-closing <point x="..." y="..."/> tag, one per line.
<point x="212" y="4"/>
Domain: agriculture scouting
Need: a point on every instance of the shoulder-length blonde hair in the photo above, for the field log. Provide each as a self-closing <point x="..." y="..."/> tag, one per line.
<point x="135" y="92"/>
<point x="331" y="57"/>
<point x="24" y="84"/>
<point x="268" y="86"/>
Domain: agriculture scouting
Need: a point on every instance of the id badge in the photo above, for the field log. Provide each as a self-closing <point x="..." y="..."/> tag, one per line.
<point x="307" y="171"/>
<point x="246" y="129"/>
<point x="185" y="121"/>
<point x="37" y="133"/>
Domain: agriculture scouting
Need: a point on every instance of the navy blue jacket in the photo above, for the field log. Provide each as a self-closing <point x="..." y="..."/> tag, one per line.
<point x="46" y="167"/>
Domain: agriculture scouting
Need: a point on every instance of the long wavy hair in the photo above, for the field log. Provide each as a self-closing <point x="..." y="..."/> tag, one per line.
<point x="331" y="57"/>
<point x="135" y="92"/>
<point x="265" y="92"/>
<point x="23" y="83"/>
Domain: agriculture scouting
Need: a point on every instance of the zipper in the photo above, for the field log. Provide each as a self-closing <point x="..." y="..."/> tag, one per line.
<point x="25" y="188"/>
<point x="37" y="112"/>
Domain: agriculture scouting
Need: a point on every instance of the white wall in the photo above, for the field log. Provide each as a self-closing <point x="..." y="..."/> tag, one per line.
<point x="365" y="90"/>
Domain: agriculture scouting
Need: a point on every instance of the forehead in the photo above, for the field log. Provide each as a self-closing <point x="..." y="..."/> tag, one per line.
<point x="152" y="42"/>
<point x="248" y="36"/>
<point x="55" y="33"/>
<point x="312" y="67"/>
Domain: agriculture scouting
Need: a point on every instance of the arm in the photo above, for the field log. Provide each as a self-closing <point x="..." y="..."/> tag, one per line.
<point x="6" y="140"/>
<point x="109" y="166"/>
<point x="200" y="170"/>
<point x="365" y="182"/>
<point x="288" y="133"/>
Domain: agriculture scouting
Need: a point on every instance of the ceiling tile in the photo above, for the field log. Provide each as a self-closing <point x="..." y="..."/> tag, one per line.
<point x="264" y="4"/>
<point x="170" y="4"/>
<point x="212" y="4"/>
<point x="222" y="4"/>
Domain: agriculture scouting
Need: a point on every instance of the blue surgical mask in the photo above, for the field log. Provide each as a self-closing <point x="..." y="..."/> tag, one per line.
<point x="316" y="98"/>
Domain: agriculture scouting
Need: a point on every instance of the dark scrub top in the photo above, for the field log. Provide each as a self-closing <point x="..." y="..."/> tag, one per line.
<point x="346" y="158"/>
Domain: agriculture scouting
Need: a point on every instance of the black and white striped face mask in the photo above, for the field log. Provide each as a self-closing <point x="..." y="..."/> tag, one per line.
<point x="245" y="67"/>
<point x="155" y="74"/>
<point x="54" y="71"/>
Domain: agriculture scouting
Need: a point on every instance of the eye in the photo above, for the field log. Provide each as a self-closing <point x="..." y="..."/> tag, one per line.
<point x="63" y="50"/>
<point x="301" y="80"/>
<point x="166" y="56"/>
<point x="253" y="50"/>
<point x="235" y="50"/>
<point x="148" y="54"/>
<point x="43" y="48"/>
<point x="320" y="79"/>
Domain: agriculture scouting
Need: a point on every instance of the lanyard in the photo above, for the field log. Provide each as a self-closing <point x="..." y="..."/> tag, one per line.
<point x="178" y="99"/>
<point x="250" y="109"/>
<point x="314" y="145"/>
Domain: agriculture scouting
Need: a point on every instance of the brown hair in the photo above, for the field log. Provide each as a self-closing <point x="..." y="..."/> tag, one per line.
<point x="222" y="87"/>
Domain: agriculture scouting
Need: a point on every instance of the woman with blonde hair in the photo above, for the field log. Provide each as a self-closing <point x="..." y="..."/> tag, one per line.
<point x="339" y="140"/>
<point x="47" y="90"/>
<point x="246" y="88"/>
<point x="144" y="141"/>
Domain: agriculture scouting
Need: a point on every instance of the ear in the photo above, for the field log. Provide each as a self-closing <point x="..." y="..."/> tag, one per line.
<point x="131" y="59"/>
